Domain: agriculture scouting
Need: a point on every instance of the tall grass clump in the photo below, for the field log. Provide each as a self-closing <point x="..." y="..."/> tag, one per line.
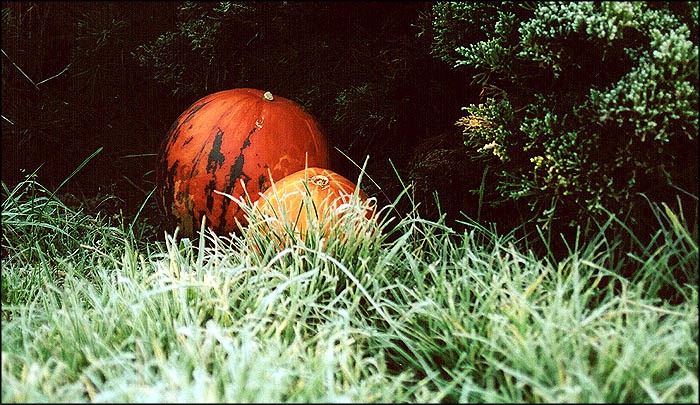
<point x="394" y="308"/>
<point x="42" y="237"/>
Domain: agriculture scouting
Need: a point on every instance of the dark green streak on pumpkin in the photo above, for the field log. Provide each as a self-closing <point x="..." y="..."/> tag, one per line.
<point x="174" y="132"/>
<point x="187" y="141"/>
<point x="261" y="183"/>
<point x="246" y="141"/>
<point x="193" y="111"/>
<point x="216" y="158"/>
<point x="198" y="157"/>
<point x="174" y="137"/>
<point x="209" y="192"/>
<point x="176" y="127"/>
<point x="236" y="169"/>
<point x="235" y="172"/>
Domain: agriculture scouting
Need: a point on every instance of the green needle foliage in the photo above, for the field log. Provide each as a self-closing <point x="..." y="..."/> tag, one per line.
<point x="401" y="310"/>
<point x="585" y="105"/>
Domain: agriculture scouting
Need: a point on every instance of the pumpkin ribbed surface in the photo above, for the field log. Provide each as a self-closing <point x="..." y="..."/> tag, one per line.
<point x="306" y="196"/>
<point x="228" y="140"/>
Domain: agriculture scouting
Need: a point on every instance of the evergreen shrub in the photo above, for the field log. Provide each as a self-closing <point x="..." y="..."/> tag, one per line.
<point x="585" y="106"/>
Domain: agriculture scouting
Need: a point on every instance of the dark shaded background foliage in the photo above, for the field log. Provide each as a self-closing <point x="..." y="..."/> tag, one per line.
<point x="103" y="98"/>
<point x="382" y="78"/>
<point x="360" y="68"/>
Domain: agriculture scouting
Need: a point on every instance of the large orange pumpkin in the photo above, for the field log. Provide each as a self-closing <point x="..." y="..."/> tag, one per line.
<point x="228" y="138"/>
<point x="306" y="196"/>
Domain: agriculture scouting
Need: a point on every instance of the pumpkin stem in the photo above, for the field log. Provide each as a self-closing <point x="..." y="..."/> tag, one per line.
<point x="268" y="96"/>
<point x="320" y="180"/>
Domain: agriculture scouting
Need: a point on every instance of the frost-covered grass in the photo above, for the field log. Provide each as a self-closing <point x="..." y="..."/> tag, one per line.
<point x="393" y="309"/>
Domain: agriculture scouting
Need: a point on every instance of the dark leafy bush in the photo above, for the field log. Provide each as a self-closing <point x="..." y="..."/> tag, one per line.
<point x="359" y="68"/>
<point x="199" y="55"/>
<point x="70" y="86"/>
<point x="585" y="105"/>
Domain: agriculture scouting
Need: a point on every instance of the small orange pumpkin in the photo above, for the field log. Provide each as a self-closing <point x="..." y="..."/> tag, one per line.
<point x="307" y="195"/>
<point x="232" y="141"/>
